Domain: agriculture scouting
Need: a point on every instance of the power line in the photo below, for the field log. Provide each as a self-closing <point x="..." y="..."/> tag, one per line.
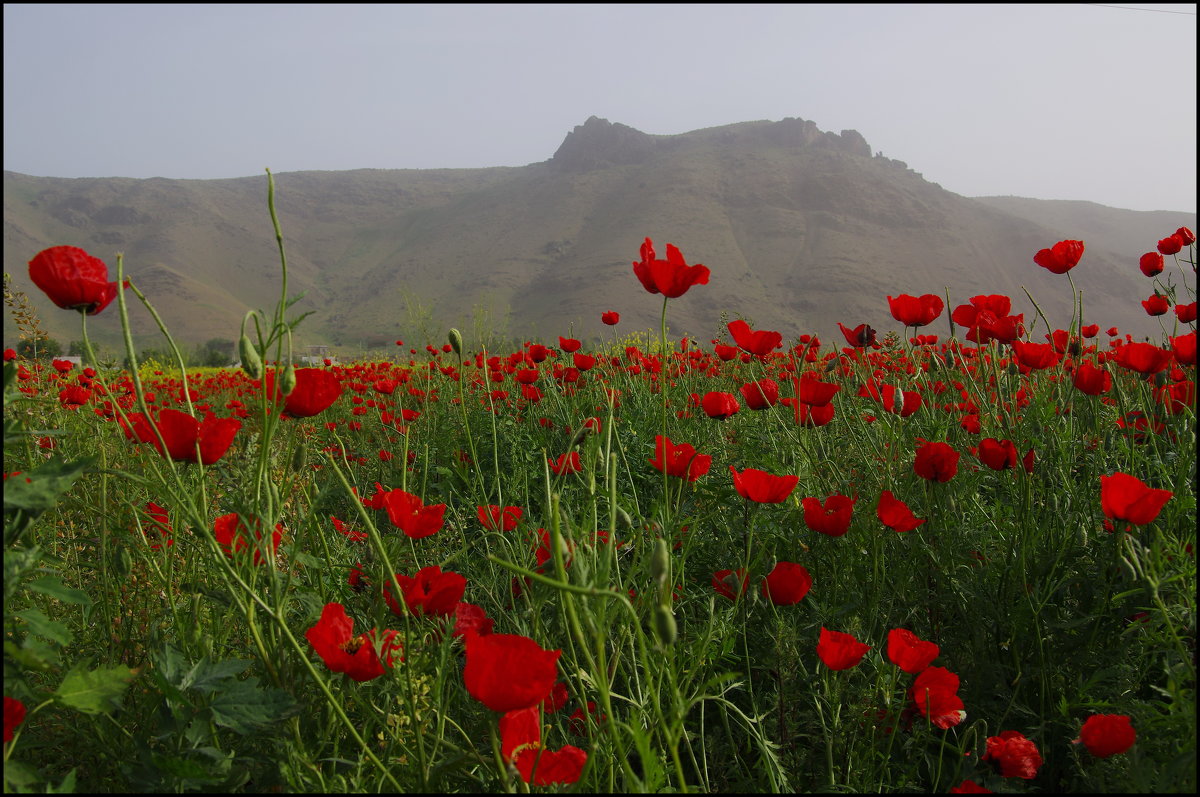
<point x="1134" y="8"/>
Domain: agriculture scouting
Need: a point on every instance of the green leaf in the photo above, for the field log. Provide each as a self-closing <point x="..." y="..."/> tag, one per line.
<point x="33" y="654"/>
<point x="37" y="490"/>
<point x="66" y="787"/>
<point x="53" y="586"/>
<point x="43" y="626"/>
<point x="206" y="676"/>
<point x="244" y="708"/>
<point x="94" y="691"/>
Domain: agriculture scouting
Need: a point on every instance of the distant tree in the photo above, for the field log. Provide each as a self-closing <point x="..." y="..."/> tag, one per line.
<point x="215" y="353"/>
<point x="44" y="349"/>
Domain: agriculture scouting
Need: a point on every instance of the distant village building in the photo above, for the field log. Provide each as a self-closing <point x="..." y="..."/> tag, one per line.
<point x="317" y="355"/>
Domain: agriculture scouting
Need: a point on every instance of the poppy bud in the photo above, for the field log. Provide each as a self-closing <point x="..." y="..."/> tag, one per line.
<point x="660" y="561"/>
<point x="126" y="561"/>
<point x="625" y="520"/>
<point x="456" y="341"/>
<point x="299" y="458"/>
<point x="273" y="492"/>
<point x="288" y="382"/>
<point x="251" y="362"/>
<point x="664" y="625"/>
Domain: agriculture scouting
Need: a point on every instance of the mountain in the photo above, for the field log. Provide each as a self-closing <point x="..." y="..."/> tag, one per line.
<point x="801" y="229"/>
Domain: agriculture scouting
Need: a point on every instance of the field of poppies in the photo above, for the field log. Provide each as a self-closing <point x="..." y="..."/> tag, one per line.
<point x="765" y="562"/>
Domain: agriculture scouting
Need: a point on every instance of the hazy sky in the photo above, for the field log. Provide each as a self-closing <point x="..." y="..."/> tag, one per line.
<point x="1055" y="102"/>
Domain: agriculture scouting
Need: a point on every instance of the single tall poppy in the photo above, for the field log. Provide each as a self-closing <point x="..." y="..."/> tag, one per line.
<point x="671" y="277"/>
<point x="73" y="279"/>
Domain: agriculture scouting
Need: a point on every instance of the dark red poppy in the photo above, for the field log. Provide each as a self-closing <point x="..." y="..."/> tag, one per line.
<point x="719" y="405"/>
<point x="909" y="652"/>
<point x="411" y="515"/>
<point x="521" y="745"/>
<point x="506" y="672"/>
<point x="495" y="518"/>
<point x="566" y="463"/>
<point x="1091" y="380"/>
<point x="762" y="487"/>
<point x="469" y="617"/>
<point x="1156" y="305"/>
<point x="1151" y="264"/>
<point x="1183" y="348"/>
<point x="860" y="337"/>
<point x="1089" y="330"/>
<point x="334" y="640"/>
<point x="840" y="651"/>
<point x="786" y="584"/>
<point x="1014" y="755"/>
<point x="679" y="459"/>
<point x="812" y="391"/>
<point x="569" y="345"/>
<point x="997" y="454"/>
<point x="1060" y="258"/>
<point x="1171" y="244"/>
<point x="758" y="343"/>
<point x="936" y="462"/>
<point x="832" y="518"/>
<point x="760" y="395"/>
<point x="611" y="318"/>
<point x="730" y="583"/>
<point x="1107" y="735"/>
<point x="14" y="715"/>
<point x="1186" y="312"/>
<point x="671" y="277"/>
<point x="915" y="311"/>
<point x="73" y="279"/>
<point x="1125" y="497"/>
<point x="181" y="433"/>
<point x="230" y="534"/>
<point x="725" y="353"/>
<point x="1186" y="236"/>
<point x="430" y="592"/>
<point x="73" y="397"/>
<point x="895" y="514"/>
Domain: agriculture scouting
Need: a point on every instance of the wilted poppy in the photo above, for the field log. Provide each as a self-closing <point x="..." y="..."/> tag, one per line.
<point x="832" y="518"/>
<point x="936" y="462"/>
<point x="73" y="279"/>
<point x="1107" y="735"/>
<point x="840" y="651"/>
<point x="1125" y="497"/>
<point x="758" y="343"/>
<point x="1060" y="258"/>
<point x="762" y="487"/>
<point x="506" y="672"/>
<point x="786" y="584"/>
<point x="430" y="592"/>
<point x="915" y="311"/>
<point x="334" y="640"/>
<point x="679" y="459"/>
<point x="671" y="277"/>
<point x="895" y="514"/>
<point x="909" y="652"/>
<point x="1014" y="755"/>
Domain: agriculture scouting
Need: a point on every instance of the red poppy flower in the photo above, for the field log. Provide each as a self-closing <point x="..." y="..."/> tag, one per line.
<point x="507" y="672"/>
<point x="936" y="462"/>
<point x="860" y="337"/>
<point x="1186" y="312"/>
<point x="671" y="277"/>
<point x="944" y="709"/>
<point x="584" y="362"/>
<point x="1183" y="348"/>
<point x="1061" y="258"/>
<point x="430" y="592"/>
<point x="566" y="463"/>
<point x="895" y="514"/>
<point x="611" y="318"/>
<point x="909" y="652"/>
<point x="970" y="787"/>
<point x="726" y="583"/>
<point x="1156" y="305"/>
<point x="832" y="518"/>
<point x="812" y="391"/>
<point x="1151" y="264"/>
<point x="181" y="432"/>
<point x="759" y="343"/>
<point x="1186" y="236"/>
<point x="316" y="390"/>
<point x="521" y="744"/>
<point x="840" y="651"/>
<point x="760" y="395"/>
<point x="1014" y="755"/>
<point x="569" y="345"/>
<point x="73" y="397"/>
<point x="679" y="460"/>
<point x="997" y="454"/>
<point x="987" y="318"/>
<point x="762" y="487"/>
<point x="1125" y="497"/>
<point x="1089" y="330"/>
<point x="1107" y="735"/>
<point x="719" y="405"/>
<point x="1168" y="246"/>
<point x="469" y="617"/>
<point x="1036" y="356"/>
<point x="915" y="311"/>
<point x="1145" y="358"/>
<point x="786" y="584"/>
<point x="411" y="515"/>
<point x="159" y="527"/>
<point x="808" y="415"/>
<point x="334" y="640"/>
<point x="725" y="353"/>
<point x="229" y="532"/>
<point x="14" y="715"/>
<point x="73" y="279"/>
<point x="1091" y="380"/>
<point x="495" y="518"/>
